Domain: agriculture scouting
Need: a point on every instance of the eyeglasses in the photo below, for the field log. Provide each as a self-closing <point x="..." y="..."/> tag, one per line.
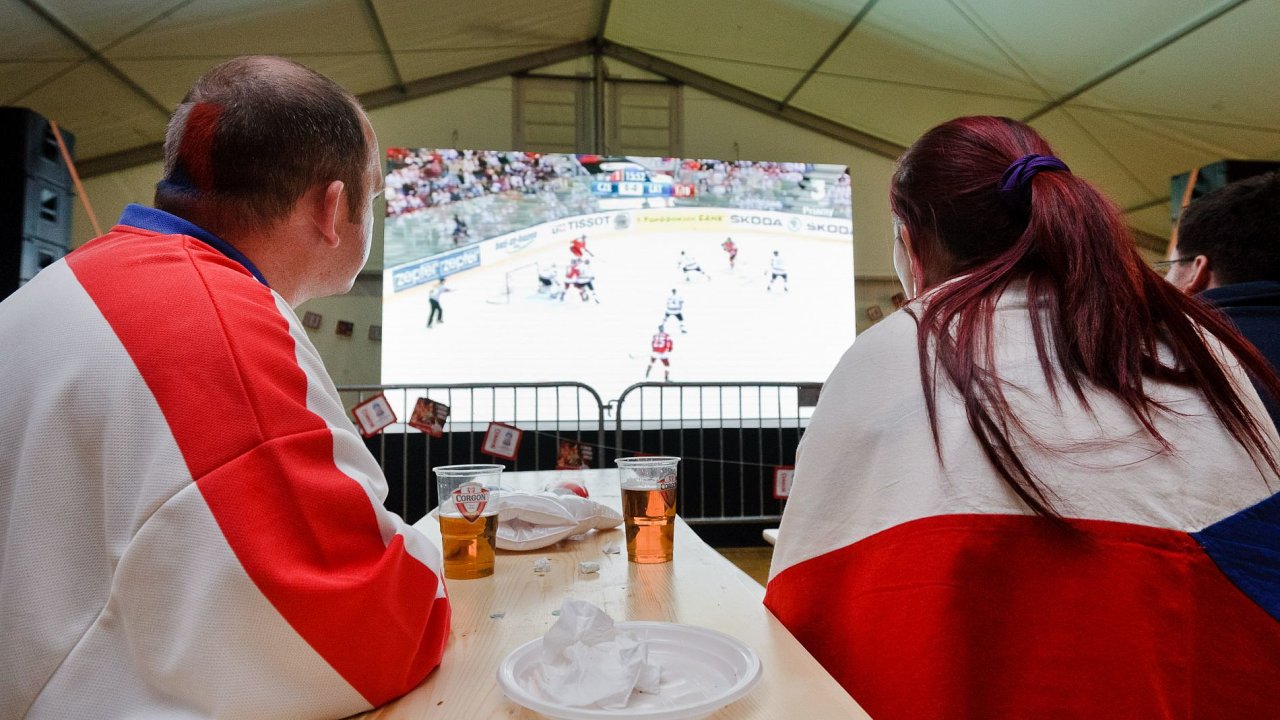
<point x="1166" y="264"/>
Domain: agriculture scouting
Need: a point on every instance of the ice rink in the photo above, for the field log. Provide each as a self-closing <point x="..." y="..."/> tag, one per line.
<point x="738" y="330"/>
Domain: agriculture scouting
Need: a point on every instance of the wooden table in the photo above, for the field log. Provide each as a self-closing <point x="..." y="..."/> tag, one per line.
<point x="493" y="616"/>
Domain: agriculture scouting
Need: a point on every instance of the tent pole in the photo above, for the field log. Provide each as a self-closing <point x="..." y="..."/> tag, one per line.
<point x="597" y="93"/>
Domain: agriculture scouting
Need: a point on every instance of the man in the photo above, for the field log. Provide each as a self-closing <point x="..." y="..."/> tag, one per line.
<point x="1228" y="252"/>
<point x="675" y="309"/>
<point x="778" y="271"/>
<point x="571" y="277"/>
<point x="437" y="311"/>
<point x="459" y="230"/>
<point x="660" y="346"/>
<point x="578" y="246"/>
<point x="547" y="279"/>
<point x="191" y="526"/>
<point x="586" y="282"/>
<point x="730" y="247"/>
<point x="688" y="264"/>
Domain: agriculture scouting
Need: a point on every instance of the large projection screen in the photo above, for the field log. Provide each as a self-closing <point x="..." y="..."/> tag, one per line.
<point x="497" y="226"/>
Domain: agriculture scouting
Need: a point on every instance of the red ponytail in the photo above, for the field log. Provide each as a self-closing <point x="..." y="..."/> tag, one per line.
<point x="1090" y="296"/>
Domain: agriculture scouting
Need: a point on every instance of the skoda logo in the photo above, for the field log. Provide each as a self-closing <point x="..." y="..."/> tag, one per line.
<point x="621" y="221"/>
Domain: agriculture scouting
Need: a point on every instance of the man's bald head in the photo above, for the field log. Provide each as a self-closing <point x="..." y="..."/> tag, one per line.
<point x="252" y="136"/>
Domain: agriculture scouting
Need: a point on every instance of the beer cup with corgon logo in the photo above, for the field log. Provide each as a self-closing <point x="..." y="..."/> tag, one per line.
<point x="469" y="497"/>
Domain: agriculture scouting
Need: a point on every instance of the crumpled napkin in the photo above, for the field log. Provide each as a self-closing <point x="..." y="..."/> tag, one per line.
<point x="586" y="662"/>
<point x="527" y="521"/>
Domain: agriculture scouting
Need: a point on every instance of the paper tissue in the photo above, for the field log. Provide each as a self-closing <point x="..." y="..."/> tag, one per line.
<point x="586" y="662"/>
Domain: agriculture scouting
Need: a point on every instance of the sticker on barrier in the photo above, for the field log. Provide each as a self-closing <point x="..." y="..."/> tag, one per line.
<point x="782" y="476"/>
<point x="502" y="441"/>
<point x="373" y="415"/>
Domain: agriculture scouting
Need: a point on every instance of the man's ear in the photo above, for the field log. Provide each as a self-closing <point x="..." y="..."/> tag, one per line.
<point x="1199" y="275"/>
<point x="327" y="218"/>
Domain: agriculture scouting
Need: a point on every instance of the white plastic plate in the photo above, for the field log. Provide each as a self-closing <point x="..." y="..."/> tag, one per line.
<point x="702" y="671"/>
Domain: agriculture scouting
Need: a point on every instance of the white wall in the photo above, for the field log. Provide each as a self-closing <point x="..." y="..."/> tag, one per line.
<point x="108" y="195"/>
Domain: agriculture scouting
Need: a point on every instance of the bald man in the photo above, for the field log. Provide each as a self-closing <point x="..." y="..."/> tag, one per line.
<point x="192" y="527"/>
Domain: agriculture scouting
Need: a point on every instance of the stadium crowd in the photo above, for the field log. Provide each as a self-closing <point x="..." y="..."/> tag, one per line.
<point x="424" y="178"/>
<point x="506" y="190"/>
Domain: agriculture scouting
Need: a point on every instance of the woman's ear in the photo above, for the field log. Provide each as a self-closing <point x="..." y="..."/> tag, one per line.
<point x="904" y="262"/>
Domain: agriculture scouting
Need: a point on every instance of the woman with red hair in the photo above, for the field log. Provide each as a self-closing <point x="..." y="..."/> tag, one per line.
<point x="1046" y="487"/>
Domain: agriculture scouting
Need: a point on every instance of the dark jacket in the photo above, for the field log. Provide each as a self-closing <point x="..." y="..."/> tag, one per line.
<point x="1255" y="309"/>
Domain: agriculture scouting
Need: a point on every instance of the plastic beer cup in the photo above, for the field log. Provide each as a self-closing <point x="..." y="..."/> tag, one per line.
<point x="469" y="497"/>
<point x="649" y="507"/>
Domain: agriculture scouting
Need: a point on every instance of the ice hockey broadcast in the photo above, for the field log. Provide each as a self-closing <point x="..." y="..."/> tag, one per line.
<point x="521" y="266"/>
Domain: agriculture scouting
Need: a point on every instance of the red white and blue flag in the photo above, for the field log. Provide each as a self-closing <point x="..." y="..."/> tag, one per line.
<point x="928" y="590"/>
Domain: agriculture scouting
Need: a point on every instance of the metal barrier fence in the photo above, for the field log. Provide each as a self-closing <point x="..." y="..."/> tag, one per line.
<point x="731" y="436"/>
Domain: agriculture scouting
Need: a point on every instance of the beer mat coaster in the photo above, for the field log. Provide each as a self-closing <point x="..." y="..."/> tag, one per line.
<point x="702" y="671"/>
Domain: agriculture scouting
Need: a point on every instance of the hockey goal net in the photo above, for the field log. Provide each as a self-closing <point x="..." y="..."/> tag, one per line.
<point x="517" y="282"/>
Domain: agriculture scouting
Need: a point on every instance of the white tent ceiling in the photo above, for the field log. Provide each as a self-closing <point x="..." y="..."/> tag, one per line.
<point x="1129" y="92"/>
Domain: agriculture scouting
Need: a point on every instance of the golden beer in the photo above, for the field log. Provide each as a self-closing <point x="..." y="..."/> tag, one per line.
<point x="468" y="546"/>
<point x="649" y="515"/>
<point x="469" y="499"/>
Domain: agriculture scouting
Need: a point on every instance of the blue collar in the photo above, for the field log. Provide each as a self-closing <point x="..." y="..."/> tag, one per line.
<point x="1254" y="292"/>
<point x="159" y="221"/>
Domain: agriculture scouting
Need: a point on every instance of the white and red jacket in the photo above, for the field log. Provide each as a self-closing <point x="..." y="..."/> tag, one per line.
<point x="929" y="590"/>
<point x="192" y="527"/>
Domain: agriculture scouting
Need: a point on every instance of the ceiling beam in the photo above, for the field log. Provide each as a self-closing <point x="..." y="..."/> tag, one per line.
<point x="1138" y="57"/>
<point x="375" y="24"/>
<point x="857" y="20"/>
<point x="477" y="74"/>
<point x="605" y="6"/>
<point x="753" y="100"/>
<point x="385" y="97"/>
<point x="122" y="160"/>
<point x="1146" y="205"/>
<point x="97" y="57"/>
<point x="1149" y="241"/>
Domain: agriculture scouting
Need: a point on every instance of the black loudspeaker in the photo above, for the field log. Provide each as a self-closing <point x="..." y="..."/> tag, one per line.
<point x="1213" y="177"/>
<point x="36" y="197"/>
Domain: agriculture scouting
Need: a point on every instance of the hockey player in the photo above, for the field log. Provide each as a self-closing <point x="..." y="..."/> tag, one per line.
<point x="585" y="282"/>
<point x="688" y="264"/>
<point x="547" y="279"/>
<point x="731" y="248"/>
<point x="675" y="308"/>
<point x="778" y="270"/>
<point x="578" y="246"/>
<point x="661" y="347"/>
<point x="570" y="277"/>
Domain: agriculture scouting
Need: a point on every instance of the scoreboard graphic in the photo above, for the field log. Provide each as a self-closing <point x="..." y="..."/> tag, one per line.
<point x="638" y="183"/>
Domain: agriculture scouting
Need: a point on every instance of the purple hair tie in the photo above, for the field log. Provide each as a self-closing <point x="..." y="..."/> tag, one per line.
<point x="1015" y="184"/>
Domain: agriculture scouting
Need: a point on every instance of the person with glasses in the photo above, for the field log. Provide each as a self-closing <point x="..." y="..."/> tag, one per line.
<point x="1044" y="487"/>
<point x="1228" y="254"/>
